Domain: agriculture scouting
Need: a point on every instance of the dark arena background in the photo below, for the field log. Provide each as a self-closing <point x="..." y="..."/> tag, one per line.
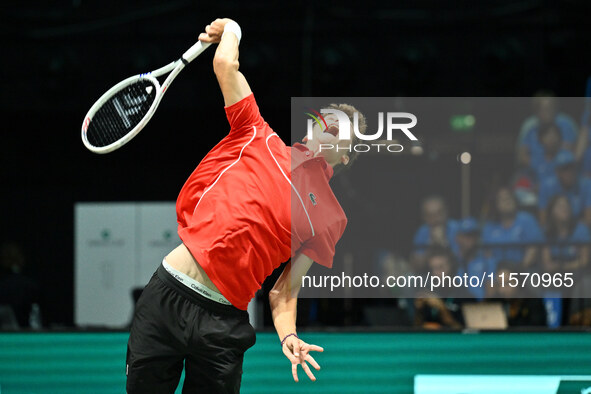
<point x="59" y="57"/>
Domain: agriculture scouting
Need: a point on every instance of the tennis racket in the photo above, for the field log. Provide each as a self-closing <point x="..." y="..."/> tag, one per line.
<point x="125" y="109"/>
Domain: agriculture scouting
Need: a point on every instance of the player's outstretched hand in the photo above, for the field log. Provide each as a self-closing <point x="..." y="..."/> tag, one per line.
<point x="298" y="352"/>
<point x="213" y="32"/>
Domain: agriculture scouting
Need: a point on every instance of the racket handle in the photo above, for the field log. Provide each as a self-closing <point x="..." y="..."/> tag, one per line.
<point x="195" y="51"/>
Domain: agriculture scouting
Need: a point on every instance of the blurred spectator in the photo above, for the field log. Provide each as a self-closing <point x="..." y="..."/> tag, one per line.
<point x="567" y="251"/>
<point x="541" y="167"/>
<point x="568" y="239"/>
<point x="437" y="229"/>
<point x="511" y="226"/>
<point x="443" y="307"/>
<point x="566" y="181"/>
<point x="530" y="148"/>
<point x="388" y="264"/>
<point x="583" y="148"/>
<point x="392" y="308"/>
<point x="17" y="290"/>
<point x="583" y="151"/>
<point x="520" y="312"/>
<point x="544" y="166"/>
<point x="526" y="189"/>
<point x="471" y="259"/>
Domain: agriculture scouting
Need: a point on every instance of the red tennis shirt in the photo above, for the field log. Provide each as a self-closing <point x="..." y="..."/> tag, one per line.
<point x="253" y="203"/>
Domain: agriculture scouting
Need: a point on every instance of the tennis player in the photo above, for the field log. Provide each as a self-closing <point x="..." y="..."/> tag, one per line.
<point x="251" y="204"/>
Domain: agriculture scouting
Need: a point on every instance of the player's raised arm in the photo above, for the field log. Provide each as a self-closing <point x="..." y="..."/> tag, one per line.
<point x="283" y="300"/>
<point x="227" y="33"/>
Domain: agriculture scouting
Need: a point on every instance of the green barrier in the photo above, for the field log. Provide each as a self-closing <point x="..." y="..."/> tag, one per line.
<point x="94" y="363"/>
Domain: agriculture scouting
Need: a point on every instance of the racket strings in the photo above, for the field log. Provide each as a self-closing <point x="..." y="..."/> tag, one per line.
<point x="121" y="113"/>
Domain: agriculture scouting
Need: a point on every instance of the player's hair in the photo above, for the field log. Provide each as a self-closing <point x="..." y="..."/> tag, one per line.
<point x="350" y="111"/>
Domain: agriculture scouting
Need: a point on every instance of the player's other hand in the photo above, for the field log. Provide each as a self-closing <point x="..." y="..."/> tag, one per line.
<point x="298" y="352"/>
<point x="213" y="31"/>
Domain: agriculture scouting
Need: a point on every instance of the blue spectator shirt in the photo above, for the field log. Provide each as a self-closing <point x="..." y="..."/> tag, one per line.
<point x="531" y="139"/>
<point x="422" y="238"/>
<point x="543" y="169"/>
<point x="570" y="252"/>
<point x="525" y="229"/>
<point x="586" y="166"/>
<point x="477" y="266"/>
<point x="579" y="196"/>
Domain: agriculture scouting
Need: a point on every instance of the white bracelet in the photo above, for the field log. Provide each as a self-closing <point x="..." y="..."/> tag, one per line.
<point x="234" y="28"/>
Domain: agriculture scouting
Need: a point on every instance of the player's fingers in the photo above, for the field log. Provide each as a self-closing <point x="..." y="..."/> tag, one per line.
<point x="315" y="348"/>
<point x="308" y="371"/>
<point x="296" y="350"/>
<point x="289" y="355"/>
<point x="294" y="372"/>
<point x="207" y="29"/>
<point x="311" y="360"/>
<point x="216" y="27"/>
<point x="205" y="37"/>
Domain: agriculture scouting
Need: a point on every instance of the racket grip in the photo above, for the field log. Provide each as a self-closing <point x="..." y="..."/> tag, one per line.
<point x="195" y="51"/>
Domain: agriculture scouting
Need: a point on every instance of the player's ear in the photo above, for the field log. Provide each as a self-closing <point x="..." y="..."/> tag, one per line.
<point x="345" y="160"/>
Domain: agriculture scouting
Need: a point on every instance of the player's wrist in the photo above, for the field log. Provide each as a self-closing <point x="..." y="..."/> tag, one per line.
<point x="286" y="337"/>
<point x="233" y="27"/>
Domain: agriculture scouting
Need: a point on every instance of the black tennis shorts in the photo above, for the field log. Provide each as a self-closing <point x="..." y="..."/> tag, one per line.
<point x="173" y="324"/>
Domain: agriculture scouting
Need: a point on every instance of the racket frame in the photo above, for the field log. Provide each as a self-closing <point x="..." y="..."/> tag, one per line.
<point x="174" y="68"/>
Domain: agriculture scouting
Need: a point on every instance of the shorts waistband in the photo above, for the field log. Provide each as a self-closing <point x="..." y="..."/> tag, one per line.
<point x="194" y="285"/>
<point x="195" y="297"/>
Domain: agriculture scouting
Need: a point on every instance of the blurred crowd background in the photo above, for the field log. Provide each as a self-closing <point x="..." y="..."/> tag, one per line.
<point x="533" y="218"/>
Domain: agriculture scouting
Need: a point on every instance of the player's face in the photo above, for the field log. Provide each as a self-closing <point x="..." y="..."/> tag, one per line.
<point x="326" y="143"/>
